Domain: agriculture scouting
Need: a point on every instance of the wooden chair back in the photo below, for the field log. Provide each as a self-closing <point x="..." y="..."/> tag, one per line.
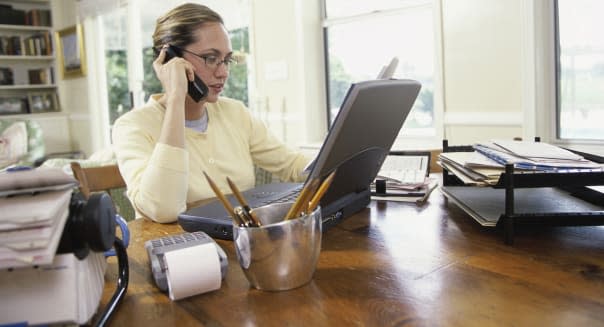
<point x="96" y="179"/>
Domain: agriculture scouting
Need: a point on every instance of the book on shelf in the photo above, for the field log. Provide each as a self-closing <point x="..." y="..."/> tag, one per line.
<point x="41" y="76"/>
<point x="11" y="16"/>
<point x="33" y="17"/>
<point x="37" y="45"/>
<point x="38" y="17"/>
<point x="11" y="45"/>
<point x="6" y="76"/>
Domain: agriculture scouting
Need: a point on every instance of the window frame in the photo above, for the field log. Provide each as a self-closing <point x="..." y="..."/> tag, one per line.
<point x="402" y="142"/>
<point x="554" y="118"/>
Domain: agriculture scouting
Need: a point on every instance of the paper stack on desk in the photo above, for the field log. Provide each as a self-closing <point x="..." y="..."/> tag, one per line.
<point x="535" y="156"/>
<point x="485" y="165"/>
<point x="395" y="191"/>
<point x="404" y="177"/>
<point x="67" y="290"/>
<point x="38" y="286"/>
<point x="31" y="227"/>
<point x="472" y="168"/>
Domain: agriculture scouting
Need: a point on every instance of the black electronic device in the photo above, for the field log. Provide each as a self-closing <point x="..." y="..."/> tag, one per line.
<point x="90" y="225"/>
<point x="197" y="88"/>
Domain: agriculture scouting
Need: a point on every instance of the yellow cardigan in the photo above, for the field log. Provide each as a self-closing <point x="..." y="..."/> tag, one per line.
<point x="162" y="180"/>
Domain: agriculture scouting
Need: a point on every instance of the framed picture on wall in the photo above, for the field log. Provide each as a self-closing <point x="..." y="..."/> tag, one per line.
<point x="42" y="102"/>
<point x="11" y="105"/>
<point x="70" y="51"/>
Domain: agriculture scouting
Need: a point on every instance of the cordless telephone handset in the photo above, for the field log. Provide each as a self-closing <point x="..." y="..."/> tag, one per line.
<point x="197" y="89"/>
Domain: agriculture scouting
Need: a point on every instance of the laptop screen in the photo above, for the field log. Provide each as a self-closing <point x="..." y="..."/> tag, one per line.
<point x="362" y="134"/>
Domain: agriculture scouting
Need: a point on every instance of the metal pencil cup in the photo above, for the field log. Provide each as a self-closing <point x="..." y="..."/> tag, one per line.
<point x="280" y="255"/>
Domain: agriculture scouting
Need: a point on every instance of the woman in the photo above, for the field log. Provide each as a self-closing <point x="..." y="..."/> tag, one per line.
<point x="164" y="147"/>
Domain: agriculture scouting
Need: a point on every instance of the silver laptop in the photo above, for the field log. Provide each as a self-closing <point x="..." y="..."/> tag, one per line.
<point x="359" y="140"/>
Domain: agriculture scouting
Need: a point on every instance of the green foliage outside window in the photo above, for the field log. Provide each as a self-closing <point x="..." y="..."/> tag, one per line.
<point x="117" y="76"/>
<point x="236" y="86"/>
<point x="117" y="83"/>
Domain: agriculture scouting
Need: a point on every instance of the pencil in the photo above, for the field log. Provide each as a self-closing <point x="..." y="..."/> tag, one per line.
<point x="320" y="192"/>
<point x="248" y="211"/>
<point x="238" y="219"/>
<point x="306" y="201"/>
<point x="227" y="205"/>
<point x="243" y="217"/>
<point x="302" y="197"/>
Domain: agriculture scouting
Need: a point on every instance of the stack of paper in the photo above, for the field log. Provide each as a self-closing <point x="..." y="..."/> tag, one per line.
<point x="31" y="227"/>
<point x="38" y="286"/>
<point x="472" y="168"/>
<point x="67" y="290"/>
<point x="535" y="156"/>
<point x="404" y="178"/>
<point x="405" y="170"/>
<point x="485" y="165"/>
<point x="417" y="193"/>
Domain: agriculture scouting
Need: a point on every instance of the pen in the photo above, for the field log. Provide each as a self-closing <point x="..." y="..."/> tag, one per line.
<point x="247" y="210"/>
<point x="227" y="205"/>
<point x="320" y="192"/>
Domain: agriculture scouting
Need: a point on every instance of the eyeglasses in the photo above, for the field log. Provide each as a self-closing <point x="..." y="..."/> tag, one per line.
<point x="212" y="61"/>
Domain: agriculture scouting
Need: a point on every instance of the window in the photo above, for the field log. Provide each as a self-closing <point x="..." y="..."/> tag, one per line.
<point x="580" y="69"/>
<point x="361" y="37"/>
<point x="125" y="35"/>
<point x="237" y="83"/>
<point x="114" y="26"/>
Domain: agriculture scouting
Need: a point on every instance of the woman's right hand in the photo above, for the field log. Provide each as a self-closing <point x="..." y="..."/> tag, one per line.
<point x="174" y="74"/>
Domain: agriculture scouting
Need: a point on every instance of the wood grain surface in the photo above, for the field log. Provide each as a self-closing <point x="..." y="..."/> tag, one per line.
<point x="395" y="264"/>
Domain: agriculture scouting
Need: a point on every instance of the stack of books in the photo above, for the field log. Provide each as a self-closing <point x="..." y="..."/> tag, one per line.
<point x="485" y="165"/>
<point x="37" y="285"/>
<point x="38" y="17"/>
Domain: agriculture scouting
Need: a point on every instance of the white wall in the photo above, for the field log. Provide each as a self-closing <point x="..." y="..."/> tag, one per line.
<point x="287" y="53"/>
<point x="482" y="69"/>
<point x="73" y="92"/>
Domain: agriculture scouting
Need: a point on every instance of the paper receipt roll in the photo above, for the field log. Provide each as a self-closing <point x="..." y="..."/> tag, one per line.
<point x="193" y="270"/>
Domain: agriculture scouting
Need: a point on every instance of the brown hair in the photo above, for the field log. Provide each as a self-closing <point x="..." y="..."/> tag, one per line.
<point x="177" y="26"/>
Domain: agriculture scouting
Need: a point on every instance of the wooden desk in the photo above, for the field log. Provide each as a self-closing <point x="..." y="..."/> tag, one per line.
<point x="396" y="264"/>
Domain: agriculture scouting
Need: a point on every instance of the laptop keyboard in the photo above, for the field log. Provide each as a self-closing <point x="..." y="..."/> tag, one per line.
<point x="286" y="197"/>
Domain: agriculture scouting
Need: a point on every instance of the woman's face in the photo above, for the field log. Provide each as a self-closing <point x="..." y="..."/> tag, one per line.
<point x="209" y="55"/>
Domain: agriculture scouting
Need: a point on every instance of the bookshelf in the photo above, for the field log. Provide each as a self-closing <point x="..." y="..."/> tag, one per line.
<point x="27" y="58"/>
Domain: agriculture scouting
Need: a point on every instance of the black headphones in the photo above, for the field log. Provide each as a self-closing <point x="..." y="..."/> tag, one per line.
<point x="90" y="225"/>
